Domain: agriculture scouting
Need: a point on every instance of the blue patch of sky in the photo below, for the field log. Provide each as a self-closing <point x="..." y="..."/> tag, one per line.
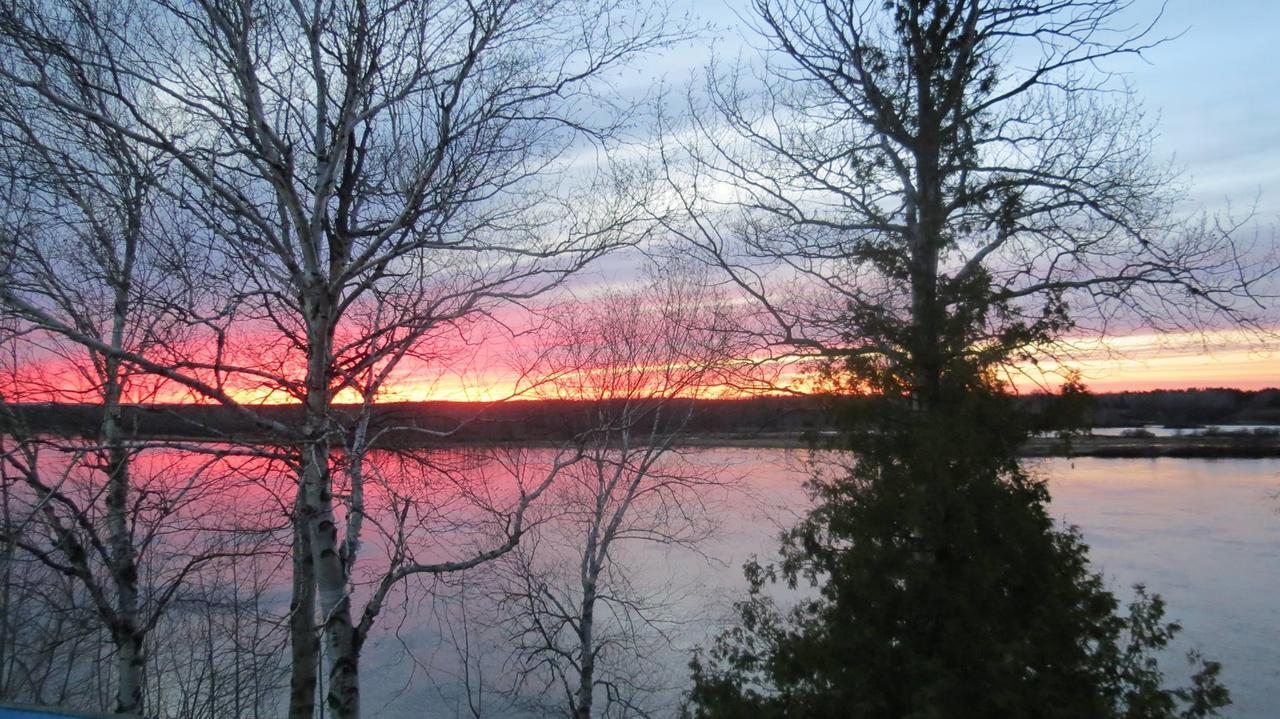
<point x="1216" y="88"/>
<point x="1212" y="91"/>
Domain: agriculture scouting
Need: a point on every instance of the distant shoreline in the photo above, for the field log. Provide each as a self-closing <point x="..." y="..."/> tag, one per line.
<point x="1217" y="423"/>
<point x="1185" y="447"/>
<point x="1179" y="447"/>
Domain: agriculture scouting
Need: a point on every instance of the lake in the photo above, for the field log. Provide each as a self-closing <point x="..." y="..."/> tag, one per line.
<point x="1204" y="534"/>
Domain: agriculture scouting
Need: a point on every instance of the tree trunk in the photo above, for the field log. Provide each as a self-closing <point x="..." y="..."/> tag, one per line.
<point x="126" y="633"/>
<point x="130" y="660"/>
<point x="304" y="648"/>
<point x="586" y="644"/>
<point x="586" y="624"/>
<point x="926" y="246"/>
<point x="926" y="370"/>
<point x="341" y="648"/>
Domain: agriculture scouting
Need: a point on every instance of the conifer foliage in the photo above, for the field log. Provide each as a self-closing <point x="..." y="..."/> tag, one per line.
<point x="944" y="590"/>
<point x="964" y="182"/>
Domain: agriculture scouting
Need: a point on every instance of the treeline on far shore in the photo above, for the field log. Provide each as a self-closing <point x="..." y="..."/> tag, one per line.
<point x="541" y="420"/>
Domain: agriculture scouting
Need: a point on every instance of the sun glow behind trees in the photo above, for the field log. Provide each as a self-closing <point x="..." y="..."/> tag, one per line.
<point x="1136" y="362"/>
<point x="369" y="255"/>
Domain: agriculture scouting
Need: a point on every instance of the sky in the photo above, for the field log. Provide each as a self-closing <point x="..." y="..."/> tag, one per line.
<point x="1214" y="88"/>
<point x="1213" y="91"/>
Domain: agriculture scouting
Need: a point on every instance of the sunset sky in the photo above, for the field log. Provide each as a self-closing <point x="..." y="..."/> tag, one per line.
<point x="1211" y="90"/>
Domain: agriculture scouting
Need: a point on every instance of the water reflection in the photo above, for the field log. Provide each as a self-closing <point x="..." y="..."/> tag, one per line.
<point x="1204" y="533"/>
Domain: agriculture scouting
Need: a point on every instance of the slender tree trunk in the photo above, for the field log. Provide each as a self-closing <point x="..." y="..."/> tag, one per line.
<point x="586" y="643"/>
<point x="332" y="595"/>
<point x="8" y="638"/>
<point x="126" y="627"/>
<point x="130" y="659"/>
<point x="304" y="648"/>
<point x="926" y="312"/>
<point x="126" y="632"/>
<point x="926" y="376"/>
<point x="589" y="575"/>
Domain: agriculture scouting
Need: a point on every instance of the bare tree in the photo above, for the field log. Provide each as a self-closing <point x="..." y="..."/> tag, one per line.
<point x="334" y="157"/>
<point x="51" y="640"/>
<point x="219" y="651"/>
<point x="82" y="218"/>
<point x="177" y="528"/>
<point x="895" y="168"/>
<point x="579" y="628"/>
<point x="924" y="192"/>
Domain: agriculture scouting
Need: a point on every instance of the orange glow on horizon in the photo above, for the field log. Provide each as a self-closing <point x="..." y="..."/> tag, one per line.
<point x="1137" y="362"/>
<point x="1143" y="362"/>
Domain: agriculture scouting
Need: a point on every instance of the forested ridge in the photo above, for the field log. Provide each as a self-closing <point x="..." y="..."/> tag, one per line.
<point x="543" y="419"/>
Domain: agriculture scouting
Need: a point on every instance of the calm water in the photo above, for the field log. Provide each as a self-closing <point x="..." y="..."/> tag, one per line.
<point x="1205" y="534"/>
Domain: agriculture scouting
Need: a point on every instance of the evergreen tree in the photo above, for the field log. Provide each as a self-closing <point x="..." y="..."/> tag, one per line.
<point x="951" y="203"/>
<point x="944" y="590"/>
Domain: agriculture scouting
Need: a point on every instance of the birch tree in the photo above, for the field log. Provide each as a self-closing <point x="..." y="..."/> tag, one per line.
<point x="583" y="630"/>
<point x="82" y="215"/>
<point x="336" y="155"/>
